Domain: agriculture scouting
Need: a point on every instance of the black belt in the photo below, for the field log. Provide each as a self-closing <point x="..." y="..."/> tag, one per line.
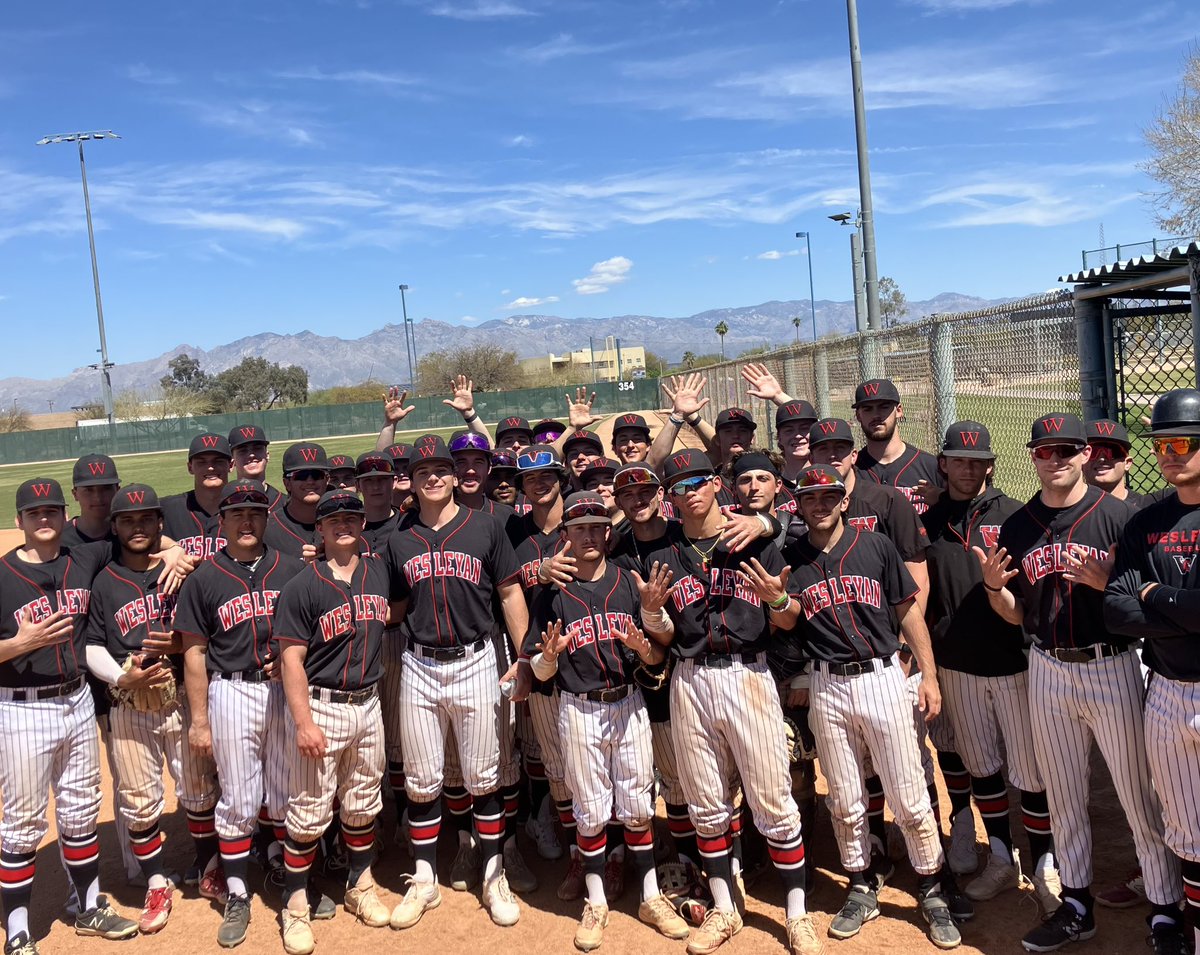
<point x="1097" y="651"/>
<point x="856" y="667"/>
<point x="443" y="654"/>
<point x="246" y="676"/>
<point x="615" y="695"/>
<point x="722" y="661"/>
<point x="32" y="694"/>
<point x="357" y="697"/>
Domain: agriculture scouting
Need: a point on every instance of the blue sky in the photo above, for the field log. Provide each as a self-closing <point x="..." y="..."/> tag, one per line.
<point x="286" y="163"/>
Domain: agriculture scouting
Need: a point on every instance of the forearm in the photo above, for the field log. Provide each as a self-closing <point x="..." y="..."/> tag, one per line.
<point x="916" y="635"/>
<point x="295" y="686"/>
<point x="387" y="437"/>
<point x="708" y="435"/>
<point x="514" y="609"/>
<point x="1006" y="604"/>
<point x="664" y="442"/>
<point x="195" y="682"/>
<point x="919" y="570"/>
<point x="102" y="664"/>
<point x="786" y="618"/>
<point x="544" y="667"/>
<point x="1174" y="604"/>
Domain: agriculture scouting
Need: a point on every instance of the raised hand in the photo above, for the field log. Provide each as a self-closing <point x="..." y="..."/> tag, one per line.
<point x="463" y="390"/>
<point x="558" y="569"/>
<point x="579" y="411"/>
<point x="769" y="587"/>
<point x="393" y="406"/>
<point x="996" y="566"/>
<point x="684" y="392"/>
<point x="1086" y="569"/>
<point x="761" y="383"/>
<point x="554" y="640"/>
<point x="656" y="588"/>
<point x="633" y="638"/>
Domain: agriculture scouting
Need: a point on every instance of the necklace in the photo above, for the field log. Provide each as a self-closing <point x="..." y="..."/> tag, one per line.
<point x="704" y="555"/>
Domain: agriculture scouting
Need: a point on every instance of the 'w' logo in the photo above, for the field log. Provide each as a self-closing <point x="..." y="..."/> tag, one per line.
<point x="1052" y="424"/>
<point x="871" y="388"/>
<point x="630" y="419"/>
<point x="309" y="454"/>
<point x="209" y="440"/>
<point x="41" y="490"/>
<point x="990" y="534"/>
<point x="1105" y="427"/>
<point x="1185" y="563"/>
<point x="247" y="432"/>
<point x="512" y="422"/>
<point x="97" y="467"/>
<point x="828" y="427"/>
<point x="426" y="450"/>
<point x="137" y="497"/>
<point x="682" y="460"/>
<point x="970" y="439"/>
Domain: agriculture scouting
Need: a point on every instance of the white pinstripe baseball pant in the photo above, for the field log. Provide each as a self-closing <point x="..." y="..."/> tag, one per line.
<point x="1173" y="750"/>
<point x="666" y="764"/>
<point x="990" y="716"/>
<point x="250" y="745"/>
<point x="544" y="717"/>
<point x="389" y="692"/>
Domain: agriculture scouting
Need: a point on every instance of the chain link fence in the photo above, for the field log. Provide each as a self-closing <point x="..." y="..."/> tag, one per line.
<point x="1004" y="366"/>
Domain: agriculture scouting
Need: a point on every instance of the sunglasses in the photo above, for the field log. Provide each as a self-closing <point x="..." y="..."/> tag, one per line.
<point x="819" y="480"/>
<point x="1045" y="452"/>
<point x="585" y="509"/>
<point x="471" y="441"/>
<point x="536" y="459"/>
<point x="680" y="488"/>
<point x="1108" y="452"/>
<point x="312" y="475"/>
<point x="548" y="437"/>
<point x="634" y="476"/>
<point x="1184" y="444"/>
<point x="374" y="466"/>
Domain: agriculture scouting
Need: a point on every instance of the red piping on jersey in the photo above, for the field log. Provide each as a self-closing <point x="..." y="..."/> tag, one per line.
<point x="849" y="612"/>
<point x="253" y="620"/>
<point x="467" y="512"/>
<point x="350" y="653"/>
<point x="437" y="623"/>
<point x="57" y="649"/>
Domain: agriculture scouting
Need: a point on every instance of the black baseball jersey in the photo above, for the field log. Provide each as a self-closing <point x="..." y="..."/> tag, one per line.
<point x="727" y="501"/>
<point x="285" y="533"/>
<point x="1160" y="545"/>
<point x="37" y="591"/>
<point x="125" y="606"/>
<point x="275" y="497"/>
<point x="785" y="500"/>
<point x="1057" y="612"/>
<point x="376" y="533"/>
<point x="711" y="609"/>
<point x="912" y="466"/>
<point x="192" y="527"/>
<point x="874" y="507"/>
<point x="967" y="635"/>
<point x="341" y="623"/>
<point x="846" y="596"/>
<point x="232" y="606"/>
<point x="593" y="613"/>
<point x="72" y="536"/>
<point x="505" y="514"/>
<point x="449" y="576"/>
<point x="627" y="554"/>
<point x="533" y="548"/>
<point x="522" y="505"/>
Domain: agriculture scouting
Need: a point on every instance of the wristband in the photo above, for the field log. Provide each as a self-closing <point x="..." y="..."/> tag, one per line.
<point x="693" y="419"/>
<point x="765" y="521"/>
<point x="474" y="416"/>
<point x="994" y="590"/>
<point x="653" y="620"/>
<point x="778" y="605"/>
<point x="781" y="608"/>
<point x="677" y="421"/>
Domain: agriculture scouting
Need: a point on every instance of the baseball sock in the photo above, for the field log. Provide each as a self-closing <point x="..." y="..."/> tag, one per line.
<point x="788" y="858"/>
<point x="929" y="884"/>
<point x="275" y="846"/>
<point x="265" y="836"/>
<point x="1191" y="894"/>
<point x="1035" y="814"/>
<point x="395" y="775"/>
<point x="616" y="839"/>
<point x="935" y="804"/>
<point x="360" y="849"/>
<point x="16" y="886"/>
<point x="489" y="826"/>
<point x="539" y="785"/>
<point x="566" y="818"/>
<point x="737" y="848"/>
<point x="235" y="861"/>
<point x="639" y="843"/>
<point x="458" y="801"/>
<point x="958" y="781"/>
<point x="874" y="788"/>
<point x="991" y="796"/>
<point x="147" y="849"/>
<point x="1166" y="913"/>
<point x="203" y="827"/>
<point x="591" y="855"/>
<point x="1081" y="899"/>
<point x="511" y="797"/>
<point x="424" y="826"/>
<point x="82" y="857"/>
<point x="715" y="860"/>
<point x="683" y="833"/>
<point x="297" y="861"/>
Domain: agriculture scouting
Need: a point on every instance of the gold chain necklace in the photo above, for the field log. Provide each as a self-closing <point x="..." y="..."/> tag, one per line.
<point x="703" y="555"/>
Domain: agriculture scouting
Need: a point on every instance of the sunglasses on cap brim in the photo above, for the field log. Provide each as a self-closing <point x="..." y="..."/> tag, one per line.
<point x="682" y="487"/>
<point x="585" y="509"/>
<point x="635" y="476"/>
<point x="1044" y="452"/>
<point x="471" y="441"/>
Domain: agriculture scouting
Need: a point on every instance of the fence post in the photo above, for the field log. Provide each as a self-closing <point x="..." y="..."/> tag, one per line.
<point x="1093" y="375"/>
<point x="821" y="373"/>
<point x="942" y="358"/>
<point x="870" y="362"/>
<point x="1194" y="289"/>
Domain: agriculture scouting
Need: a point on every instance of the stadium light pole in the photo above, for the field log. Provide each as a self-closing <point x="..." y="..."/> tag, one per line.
<point x="871" y="280"/>
<point x="409" y="344"/>
<point x="812" y="305"/>
<point x="105" y="364"/>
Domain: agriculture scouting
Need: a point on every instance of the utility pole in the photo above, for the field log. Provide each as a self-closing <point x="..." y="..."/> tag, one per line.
<point x="871" y="271"/>
<point x="410" y="345"/>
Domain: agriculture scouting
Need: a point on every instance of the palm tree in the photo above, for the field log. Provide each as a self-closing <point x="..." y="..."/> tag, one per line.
<point x="796" y="323"/>
<point x="722" y="330"/>
<point x="689" y="360"/>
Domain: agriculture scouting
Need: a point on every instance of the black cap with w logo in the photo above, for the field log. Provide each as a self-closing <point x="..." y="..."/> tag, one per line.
<point x="209" y="443"/>
<point x="1058" y="427"/>
<point x="247" y="434"/>
<point x="1107" y="431"/>
<point x="304" y="456"/>
<point x="40" y="492"/>
<point x="134" y="497"/>
<point x="94" y="470"/>
<point x="968" y="439"/>
<point x="830" y="429"/>
<point x="685" y="463"/>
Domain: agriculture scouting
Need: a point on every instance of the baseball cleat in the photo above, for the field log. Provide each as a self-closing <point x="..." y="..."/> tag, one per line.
<point x="590" y="933"/>
<point x="717" y="928"/>
<point x="860" y="907"/>
<point x="464" y="872"/>
<point x="104" y="922"/>
<point x="997" y="876"/>
<point x="962" y="856"/>
<point x="1065" y="926"/>
<point x="943" y="931"/>
<point x="156" y="910"/>
<point x="20" y="944"/>
<point x="1048" y="887"/>
<point x="520" y="876"/>
<point x="660" y="915"/>
<point x="500" y="902"/>
<point x="212" y="885"/>
<point x="1127" y="894"/>
<point x="571" y="887"/>
<point x="540" y="829"/>
<point x="235" y="923"/>
<point x="419" y="899"/>
<point x="1169" y="939"/>
<point x="614" y="877"/>
<point x="802" y="936"/>
<point x="297" y="932"/>
<point x="363" y="903"/>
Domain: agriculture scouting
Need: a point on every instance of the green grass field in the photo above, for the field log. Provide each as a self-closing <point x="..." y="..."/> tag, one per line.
<point x="165" y="472"/>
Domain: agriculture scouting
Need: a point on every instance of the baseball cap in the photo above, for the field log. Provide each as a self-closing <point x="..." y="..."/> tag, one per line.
<point x="753" y="461"/>
<point x="244" y="494"/>
<point x="341" y="462"/>
<point x="819" y="477"/>
<point x="830" y="429"/>
<point x="968" y="439"/>
<point x="428" y="448"/>
<point x="40" y="492"/>
<point x="514" y="423"/>
<point x="92" y="470"/>
<point x="246" y="434"/>
<point x="209" y="443"/>
<point x="134" y="497"/>
<point x="795" y="411"/>
<point x="548" y="430"/>
<point x="373" y="464"/>
<point x="469" y="441"/>
<point x="635" y="421"/>
<point x="339" y="502"/>
<point x="304" y="456"/>
<point x="1057" y="428"/>
<point x="503" y="461"/>
<point x="539" y="459"/>
<point x="1107" y="430"/>
<point x="583" y="437"/>
<point x="634" y="473"/>
<point x="585" y="507"/>
<point x="685" y="463"/>
<point x="606" y="467"/>
<point x="877" y="389"/>
<point x="739" y="416"/>
<point x="398" y="452"/>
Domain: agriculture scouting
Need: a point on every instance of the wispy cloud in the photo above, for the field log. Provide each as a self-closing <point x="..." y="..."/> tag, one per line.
<point x="525" y="302"/>
<point x="969" y="6"/>
<point x="256" y="118"/>
<point x="774" y="254"/>
<point x="236" y="222"/>
<point x="141" y="73"/>
<point x="604" y="275"/>
<point x="561" y="46"/>
<point x="520" y="140"/>
<point x="480" y="10"/>
<point x="386" y="80"/>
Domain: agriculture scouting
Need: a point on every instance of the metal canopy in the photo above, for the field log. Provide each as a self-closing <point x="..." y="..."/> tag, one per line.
<point x="1141" y="271"/>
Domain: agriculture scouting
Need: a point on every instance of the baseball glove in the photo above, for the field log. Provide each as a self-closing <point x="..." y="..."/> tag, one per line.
<point x="144" y="698"/>
<point x="653" y="677"/>
<point x="684" y="887"/>
<point x="799" y="748"/>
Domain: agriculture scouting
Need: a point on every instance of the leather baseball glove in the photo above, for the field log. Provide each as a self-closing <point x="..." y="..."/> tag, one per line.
<point x="145" y="698"/>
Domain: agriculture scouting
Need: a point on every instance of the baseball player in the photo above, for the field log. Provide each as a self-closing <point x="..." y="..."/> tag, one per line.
<point x="223" y="619"/>
<point x="502" y="484"/>
<point x="886" y="457"/>
<point x="128" y="638"/>
<point x="47" y="718"/>
<point x="191" y="518"/>
<point x="514" y="435"/>
<point x="1153" y="596"/>
<point x="329" y="629"/>
<point x="1108" y="465"/>
<point x="94" y="481"/>
<point x="402" y="496"/>
<point x="589" y="645"/>
<point x="248" y="444"/>
<point x="341" y="472"/>
<point x="580" y="450"/>
<point x="291" y="527"/>
<point x="630" y="438"/>
<point x="982" y="666"/>
<point x="847" y="584"/>
<point x="725" y="711"/>
<point x="374" y="478"/>
<point x="1048" y="573"/>
<point x="793" y="419"/>
<point x="598" y="478"/>
<point x="445" y="567"/>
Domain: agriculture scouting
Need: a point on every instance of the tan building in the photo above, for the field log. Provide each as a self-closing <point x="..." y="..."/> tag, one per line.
<point x="581" y="363"/>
